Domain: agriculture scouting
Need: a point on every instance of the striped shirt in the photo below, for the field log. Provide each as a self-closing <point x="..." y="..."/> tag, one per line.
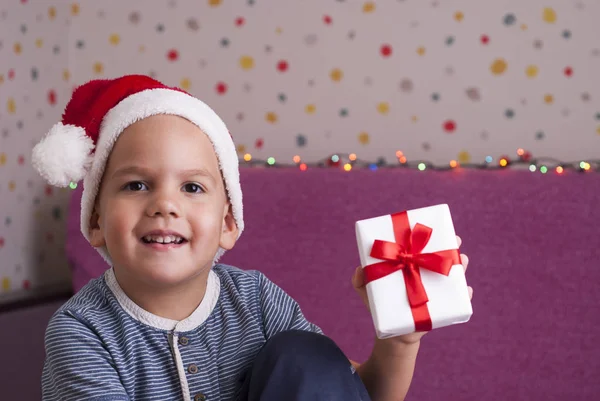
<point x="101" y="346"/>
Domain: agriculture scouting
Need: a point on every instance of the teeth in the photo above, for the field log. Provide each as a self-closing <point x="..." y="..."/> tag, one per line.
<point x="169" y="239"/>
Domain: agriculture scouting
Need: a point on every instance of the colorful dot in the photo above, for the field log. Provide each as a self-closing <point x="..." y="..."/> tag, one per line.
<point x="66" y="75"/>
<point x="80" y="43"/>
<point x="383" y="107"/>
<point x="539" y="135"/>
<point x="435" y="97"/>
<point x="406" y="85"/>
<point x="282" y="98"/>
<point x="531" y="71"/>
<point x="34" y="74"/>
<point x="160" y="28"/>
<point x="566" y="34"/>
<point x="185" y="84"/>
<point x="26" y="284"/>
<point x="6" y="284"/>
<point x="598" y="116"/>
<point x="12" y="185"/>
<point x="509" y="19"/>
<point x="2" y="159"/>
<point x="598" y="130"/>
<point x="310" y="109"/>
<point x="498" y="66"/>
<point x="56" y="213"/>
<point x="344" y="112"/>
<point x="449" y="126"/>
<point x="421" y="51"/>
<point x="51" y="13"/>
<point x="114" y="39"/>
<point x="368" y="7"/>
<point x="538" y="44"/>
<point x="363" y="138"/>
<point x="11" y="106"/>
<point x="18" y="48"/>
<point x="568" y="71"/>
<point x="459" y="16"/>
<point x="23" y="28"/>
<point x="74" y="9"/>
<point x="39" y="43"/>
<point x="484" y="39"/>
<point x="246" y="62"/>
<point x="386" y="50"/>
<point x="221" y="88"/>
<point x="336" y="75"/>
<point x="21" y="160"/>
<point x="52" y="97"/>
<point x="271" y="117"/>
<point x="449" y="40"/>
<point x="7" y="221"/>
<point x="98" y="68"/>
<point x="240" y="148"/>
<point x="239" y="21"/>
<point x="214" y="3"/>
<point x="134" y="17"/>
<point x="509" y="113"/>
<point x="414" y="118"/>
<point x="327" y="19"/>
<point x="548" y="99"/>
<point x="282" y="66"/>
<point x="301" y="140"/>
<point x="523" y="27"/>
<point x="193" y="24"/>
<point x="172" y="55"/>
<point x="549" y="15"/>
<point x="259" y="143"/>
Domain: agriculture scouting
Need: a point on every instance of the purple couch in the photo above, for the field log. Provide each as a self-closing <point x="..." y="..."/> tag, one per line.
<point x="535" y="266"/>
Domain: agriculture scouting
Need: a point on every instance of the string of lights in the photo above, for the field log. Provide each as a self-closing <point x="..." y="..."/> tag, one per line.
<point x="350" y="161"/>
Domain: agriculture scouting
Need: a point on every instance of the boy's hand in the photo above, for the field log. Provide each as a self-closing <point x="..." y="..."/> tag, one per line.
<point x="358" y="283"/>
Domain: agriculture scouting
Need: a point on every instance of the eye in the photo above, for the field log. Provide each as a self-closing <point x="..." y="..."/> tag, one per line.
<point x="135" y="186"/>
<point x="193" y="188"/>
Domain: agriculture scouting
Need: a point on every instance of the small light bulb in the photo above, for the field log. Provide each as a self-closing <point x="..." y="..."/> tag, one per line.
<point x="489" y="159"/>
<point x="399" y="153"/>
<point x="422" y="166"/>
<point x="402" y="159"/>
<point x="453" y="163"/>
<point x="543" y="169"/>
<point x="335" y="158"/>
<point x="352" y="156"/>
<point x="73" y="185"/>
<point x="347" y="166"/>
<point x="373" y="167"/>
<point x="582" y="165"/>
<point x="247" y="157"/>
<point x="296" y="159"/>
<point x="271" y="160"/>
<point x="303" y="167"/>
<point x="532" y="168"/>
<point x="587" y="166"/>
<point x="520" y="152"/>
<point x="503" y="162"/>
<point x="560" y="169"/>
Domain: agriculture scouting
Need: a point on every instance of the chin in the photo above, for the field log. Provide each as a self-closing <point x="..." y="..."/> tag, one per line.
<point x="166" y="275"/>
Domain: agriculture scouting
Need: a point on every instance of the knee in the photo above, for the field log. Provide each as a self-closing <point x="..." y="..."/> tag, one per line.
<point x="302" y="347"/>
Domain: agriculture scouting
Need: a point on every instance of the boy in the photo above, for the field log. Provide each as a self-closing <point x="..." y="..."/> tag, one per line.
<point x="162" y="202"/>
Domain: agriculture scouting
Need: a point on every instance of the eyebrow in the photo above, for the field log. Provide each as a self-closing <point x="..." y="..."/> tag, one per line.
<point x="141" y="171"/>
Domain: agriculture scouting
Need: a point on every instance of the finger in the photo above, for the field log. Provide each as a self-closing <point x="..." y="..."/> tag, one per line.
<point x="470" y="292"/>
<point x="358" y="279"/>
<point x="465" y="260"/>
<point x="459" y="240"/>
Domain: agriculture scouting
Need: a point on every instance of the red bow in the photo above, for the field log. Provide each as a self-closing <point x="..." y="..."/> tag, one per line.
<point x="405" y="254"/>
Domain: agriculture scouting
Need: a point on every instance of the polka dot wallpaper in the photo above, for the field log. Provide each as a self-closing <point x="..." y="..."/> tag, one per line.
<point x="438" y="80"/>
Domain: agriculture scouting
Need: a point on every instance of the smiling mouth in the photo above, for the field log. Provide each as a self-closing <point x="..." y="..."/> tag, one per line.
<point x="163" y="240"/>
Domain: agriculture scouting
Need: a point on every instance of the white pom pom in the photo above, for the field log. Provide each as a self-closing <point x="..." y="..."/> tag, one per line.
<point x="63" y="155"/>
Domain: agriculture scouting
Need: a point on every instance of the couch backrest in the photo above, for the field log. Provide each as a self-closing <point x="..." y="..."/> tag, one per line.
<point x="532" y="239"/>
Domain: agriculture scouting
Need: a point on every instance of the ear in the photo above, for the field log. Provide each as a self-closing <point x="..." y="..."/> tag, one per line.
<point x="96" y="235"/>
<point x="229" y="232"/>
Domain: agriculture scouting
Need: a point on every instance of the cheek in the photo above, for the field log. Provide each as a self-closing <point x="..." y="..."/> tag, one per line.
<point x="120" y="219"/>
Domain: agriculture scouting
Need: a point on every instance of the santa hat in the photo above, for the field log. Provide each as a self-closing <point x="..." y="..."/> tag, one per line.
<point x="78" y="147"/>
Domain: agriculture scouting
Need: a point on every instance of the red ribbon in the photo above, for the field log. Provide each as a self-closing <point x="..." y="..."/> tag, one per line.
<point x="405" y="254"/>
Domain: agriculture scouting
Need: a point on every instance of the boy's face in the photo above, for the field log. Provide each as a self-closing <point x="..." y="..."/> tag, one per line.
<point x="162" y="176"/>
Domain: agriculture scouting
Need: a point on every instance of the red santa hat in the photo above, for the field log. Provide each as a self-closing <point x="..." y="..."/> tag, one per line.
<point x="78" y="147"/>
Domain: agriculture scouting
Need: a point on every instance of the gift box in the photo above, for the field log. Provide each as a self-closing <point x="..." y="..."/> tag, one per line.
<point x="415" y="280"/>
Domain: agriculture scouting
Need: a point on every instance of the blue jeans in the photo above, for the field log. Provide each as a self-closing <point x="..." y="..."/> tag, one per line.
<point x="298" y="365"/>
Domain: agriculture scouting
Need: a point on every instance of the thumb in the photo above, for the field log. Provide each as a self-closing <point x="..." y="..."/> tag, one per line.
<point x="358" y="282"/>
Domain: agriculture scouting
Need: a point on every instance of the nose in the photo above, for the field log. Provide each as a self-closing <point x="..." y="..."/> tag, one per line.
<point x="163" y="205"/>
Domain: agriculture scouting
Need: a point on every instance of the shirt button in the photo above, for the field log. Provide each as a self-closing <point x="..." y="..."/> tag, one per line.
<point x="184" y="341"/>
<point x="200" y="397"/>
<point x="193" y="368"/>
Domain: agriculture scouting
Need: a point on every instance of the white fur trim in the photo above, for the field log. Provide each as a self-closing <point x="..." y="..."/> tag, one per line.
<point x="163" y="101"/>
<point x="63" y="155"/>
